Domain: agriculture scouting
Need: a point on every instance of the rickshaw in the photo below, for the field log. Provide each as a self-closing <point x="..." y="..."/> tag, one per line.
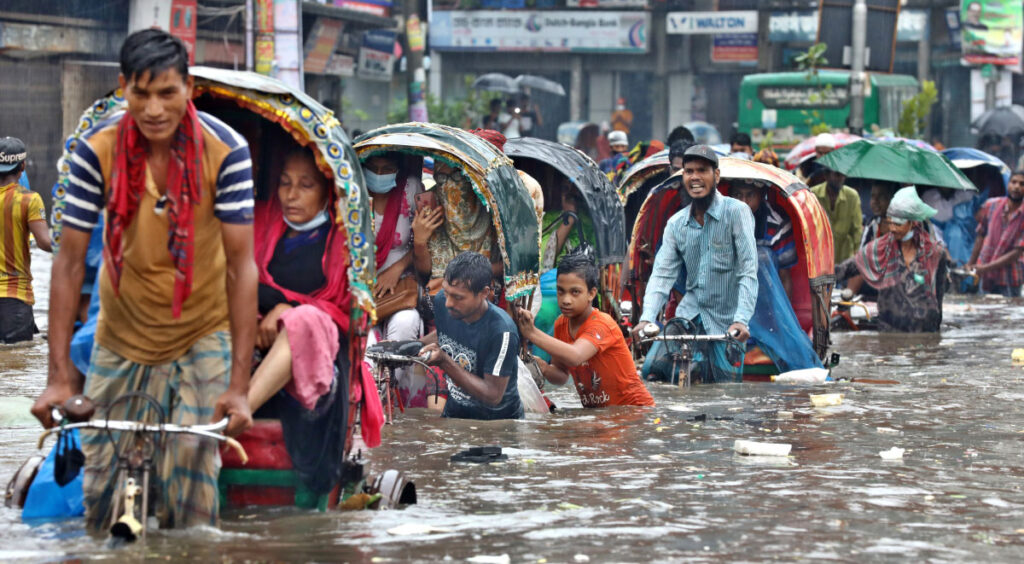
<point x="638" y="181"/>
<point x="813" y="276"/>
<point x="495" y="182"/>
<point x="549" y="163"/>
<point x="268" y="114"/>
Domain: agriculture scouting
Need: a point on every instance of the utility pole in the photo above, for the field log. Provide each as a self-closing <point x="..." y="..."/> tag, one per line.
<point x="860" y="23"/>
<point x="991" y="75"/>
<point x="417" y="76"/>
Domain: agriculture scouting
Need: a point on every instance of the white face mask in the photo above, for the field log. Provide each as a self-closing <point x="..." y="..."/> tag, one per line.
<point x="908" y="236"/>
<point x="318" y="220"/>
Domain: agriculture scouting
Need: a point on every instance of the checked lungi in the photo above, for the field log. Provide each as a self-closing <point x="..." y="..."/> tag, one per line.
<point x="186" y="470"/>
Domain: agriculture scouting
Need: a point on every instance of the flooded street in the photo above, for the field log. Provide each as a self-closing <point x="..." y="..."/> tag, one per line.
<point x="658" y="484"/>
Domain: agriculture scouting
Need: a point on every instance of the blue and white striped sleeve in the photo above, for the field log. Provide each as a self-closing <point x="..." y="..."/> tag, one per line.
<point x="234" y="200"/>
<point x="84" y="197"/>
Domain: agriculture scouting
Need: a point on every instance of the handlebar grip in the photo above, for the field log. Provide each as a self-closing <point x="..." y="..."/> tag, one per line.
<point x="735" y="333"/>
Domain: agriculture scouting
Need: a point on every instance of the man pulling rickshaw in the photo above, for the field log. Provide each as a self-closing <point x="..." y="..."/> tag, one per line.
<point x="178" y="284"/>
<point x="713" y="239"/>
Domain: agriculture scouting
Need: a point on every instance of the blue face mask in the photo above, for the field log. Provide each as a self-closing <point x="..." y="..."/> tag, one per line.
<point x="318" y="220"/>
<point x="380" y="183"/>
<point x="908" y="236"/>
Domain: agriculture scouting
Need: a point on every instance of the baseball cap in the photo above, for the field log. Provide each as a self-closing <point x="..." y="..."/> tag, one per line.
<point x="12" y="153"/>
<point x="701" y="152"/>
<point x="618" y="138"/>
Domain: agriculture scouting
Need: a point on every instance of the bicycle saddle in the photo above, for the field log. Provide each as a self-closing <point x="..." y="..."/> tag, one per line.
<point x="401" y="348"/>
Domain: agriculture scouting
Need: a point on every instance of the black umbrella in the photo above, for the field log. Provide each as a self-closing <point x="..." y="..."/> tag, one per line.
<point x="1003" y="121"/>
<point x="496" y="82"/>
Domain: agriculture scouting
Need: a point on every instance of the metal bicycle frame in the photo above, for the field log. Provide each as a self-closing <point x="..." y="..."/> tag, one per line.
<point x="386" y="363"/>
<point x="681" y="359"/>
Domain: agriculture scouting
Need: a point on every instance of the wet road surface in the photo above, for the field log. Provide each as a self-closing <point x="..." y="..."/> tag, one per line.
<point x="658" y="484"/>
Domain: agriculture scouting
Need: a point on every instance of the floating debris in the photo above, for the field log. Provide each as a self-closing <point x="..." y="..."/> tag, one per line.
<point x="895" y="453"/>
<point x="826" y="400"/>
<point x="754" y="448"/>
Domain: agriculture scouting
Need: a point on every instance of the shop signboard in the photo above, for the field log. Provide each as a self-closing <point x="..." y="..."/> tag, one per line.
<point x="734" y="48"/>
<point x="380" y="8"/>
<point x="321" y="43"/>
<point x="177" y="17"/>
<point x="546" y="31"/>
<point x="991" y="31"/>
<point x="341" y="65"/>
<point x="708" y="23"/>
<point x="377" y="55"/>
<point x="801" y="26"/>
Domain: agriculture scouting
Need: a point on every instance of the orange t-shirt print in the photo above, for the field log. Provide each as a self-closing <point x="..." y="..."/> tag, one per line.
<point x="609" y="377"/>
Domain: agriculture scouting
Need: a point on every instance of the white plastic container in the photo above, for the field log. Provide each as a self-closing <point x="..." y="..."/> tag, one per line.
<point x="805" y="376"/>
<point x="895" y="453"/>
<point x="754" y="448"/>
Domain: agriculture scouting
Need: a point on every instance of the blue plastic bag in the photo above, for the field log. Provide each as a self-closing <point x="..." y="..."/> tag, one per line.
<point x="47" y="500"/>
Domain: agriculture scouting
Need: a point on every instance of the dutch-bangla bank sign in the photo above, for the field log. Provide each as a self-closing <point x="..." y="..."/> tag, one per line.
<point x="744" y="21"/>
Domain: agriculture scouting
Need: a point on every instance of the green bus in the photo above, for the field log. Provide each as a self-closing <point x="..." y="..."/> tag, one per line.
<point x="781" y="102"/>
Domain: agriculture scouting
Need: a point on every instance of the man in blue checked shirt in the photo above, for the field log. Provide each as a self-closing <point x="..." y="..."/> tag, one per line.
<point x="713" y="239"/>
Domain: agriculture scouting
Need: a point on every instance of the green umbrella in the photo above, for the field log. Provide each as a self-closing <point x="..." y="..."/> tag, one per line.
<point x="896" y="161"/>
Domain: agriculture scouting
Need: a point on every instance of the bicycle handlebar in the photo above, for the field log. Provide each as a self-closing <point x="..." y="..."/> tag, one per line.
<point x="397" y="358"/>
<point x="209" y="430"/>
<point x="690" y="338"/>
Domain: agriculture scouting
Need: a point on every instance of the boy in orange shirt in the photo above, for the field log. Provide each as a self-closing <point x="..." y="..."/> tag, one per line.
<point x="588" y="344"/>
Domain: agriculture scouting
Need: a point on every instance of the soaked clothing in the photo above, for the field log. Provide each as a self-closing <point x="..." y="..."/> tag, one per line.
<point x="467" y="225"/>
<point x="845" y="217"/>
<point x="720" y="259"/>
<point x="137" y="320"/>
<point x="297" y="265"/>
<point x="18" y="207"/>
<point x="909" y="297"/>
<point x="17" y="323"/>
<point x="489" y="345"/>
<point x="187" y="468"/>
<point x="609" y="377"/>
<point x="1002" y="235"/>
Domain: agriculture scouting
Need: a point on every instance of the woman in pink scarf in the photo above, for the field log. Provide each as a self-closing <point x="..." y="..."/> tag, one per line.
<point x="303" y="291"/>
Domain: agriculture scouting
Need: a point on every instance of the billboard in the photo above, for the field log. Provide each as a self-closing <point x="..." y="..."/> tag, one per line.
<point x="991" y="31"/>
<point x="838" y="34"/>
<point x="546" y="31"/>
<point x="706" y="23"/>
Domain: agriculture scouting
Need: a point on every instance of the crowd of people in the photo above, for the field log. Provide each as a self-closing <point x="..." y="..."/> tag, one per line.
<point x="195" y="278"/>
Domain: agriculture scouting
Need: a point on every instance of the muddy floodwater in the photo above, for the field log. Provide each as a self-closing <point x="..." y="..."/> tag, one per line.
<point x="657" y="484"/>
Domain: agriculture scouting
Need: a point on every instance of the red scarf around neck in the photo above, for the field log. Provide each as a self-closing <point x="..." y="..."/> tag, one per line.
<point x="333" y="298"/>
<point x="389" y="222"/>
<point x="183" y="191"/>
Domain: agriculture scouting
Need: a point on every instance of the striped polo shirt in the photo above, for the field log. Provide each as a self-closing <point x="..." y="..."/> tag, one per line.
<point x="136" y="320"/>
<point x="18" y="206"/>
<point x="720" y="258"/>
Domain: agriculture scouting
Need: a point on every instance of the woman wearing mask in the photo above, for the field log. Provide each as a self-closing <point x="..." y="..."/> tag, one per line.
<point x="303" y="289"/>
<point x="393" y="189"/>
<point x="906" y="265"/>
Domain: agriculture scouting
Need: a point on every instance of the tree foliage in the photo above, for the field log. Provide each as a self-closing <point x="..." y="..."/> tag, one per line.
<point x="810" y="61"/>
<point x="914" y="116"/>
<point x="462" y="112"/>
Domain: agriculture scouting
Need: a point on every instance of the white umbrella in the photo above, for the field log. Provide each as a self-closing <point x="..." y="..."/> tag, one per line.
<point x="539" y="83"/>
<point x="496" y="82"/>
